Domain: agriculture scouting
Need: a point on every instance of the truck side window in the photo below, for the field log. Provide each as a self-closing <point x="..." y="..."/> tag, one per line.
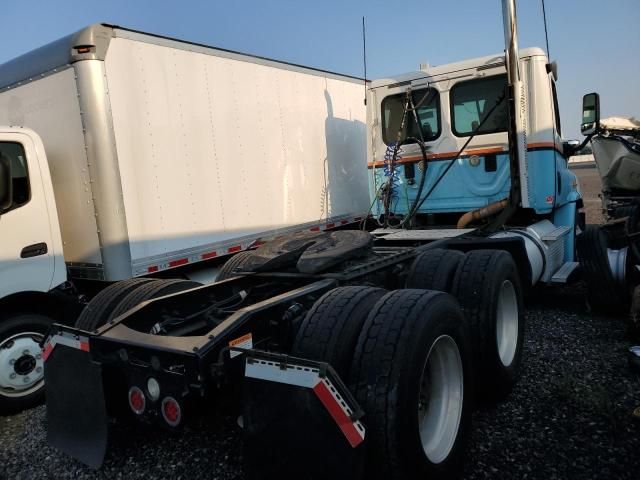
<point x="472" y="100"/>
<point x="556" y="109"/>
<point x="427" y="101"/>
<point x="14" y="153"/>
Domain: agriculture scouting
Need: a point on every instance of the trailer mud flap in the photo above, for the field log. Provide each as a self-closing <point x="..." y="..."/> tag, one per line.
<point x="300" y="421"/>
<point x="76" y="413"/>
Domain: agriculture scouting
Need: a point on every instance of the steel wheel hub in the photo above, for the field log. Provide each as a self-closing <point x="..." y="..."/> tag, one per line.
<point x="440" y="399"/>
<point x="21" y="364"/>
<point x="507" y="319"/>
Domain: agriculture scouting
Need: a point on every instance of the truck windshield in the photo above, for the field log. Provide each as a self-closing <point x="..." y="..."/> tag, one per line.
<point x="472" y="100"/>
<point x="428" y="102"/>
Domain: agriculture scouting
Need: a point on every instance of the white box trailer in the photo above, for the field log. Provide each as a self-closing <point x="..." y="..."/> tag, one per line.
<point x="126" y="154"/>
<point x="164" y="152"/>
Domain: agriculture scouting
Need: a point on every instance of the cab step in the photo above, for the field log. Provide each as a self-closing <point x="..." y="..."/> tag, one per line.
<point x="555" y="234"/>
<point x="564" y="272"/>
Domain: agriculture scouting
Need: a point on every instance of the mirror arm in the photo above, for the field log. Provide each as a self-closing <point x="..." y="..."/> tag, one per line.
<point x="573" y="150"/>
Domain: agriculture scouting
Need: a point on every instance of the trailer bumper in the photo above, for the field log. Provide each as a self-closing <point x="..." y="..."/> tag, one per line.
<point x="300" y="420"/>
<point x="76" y="410"/>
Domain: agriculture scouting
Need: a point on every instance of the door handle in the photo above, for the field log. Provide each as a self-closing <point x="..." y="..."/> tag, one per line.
<point x="34" y="250"/>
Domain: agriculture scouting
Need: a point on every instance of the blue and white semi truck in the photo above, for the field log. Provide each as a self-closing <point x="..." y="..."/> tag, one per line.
<point x="356" y="352"/>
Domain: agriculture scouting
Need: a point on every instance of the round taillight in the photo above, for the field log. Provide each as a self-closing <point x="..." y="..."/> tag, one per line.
<point x="171" y="411"/>
<point x="137" y="402"/>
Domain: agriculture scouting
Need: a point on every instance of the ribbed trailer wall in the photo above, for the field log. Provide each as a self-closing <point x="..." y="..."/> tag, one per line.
<point x="165" y="153"/>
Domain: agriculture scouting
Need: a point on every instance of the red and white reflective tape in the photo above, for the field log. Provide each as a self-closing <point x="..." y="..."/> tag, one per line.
<point x="227" y="250"/>
<point x="79" y="343"/>
<point x="309" y="377"/>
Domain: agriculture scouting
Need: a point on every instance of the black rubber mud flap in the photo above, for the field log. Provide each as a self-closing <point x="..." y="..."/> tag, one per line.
<point x="300" y="422"/>
<point x="76" y="413"/>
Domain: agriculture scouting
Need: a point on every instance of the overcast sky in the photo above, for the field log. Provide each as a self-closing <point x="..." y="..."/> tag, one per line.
<point x="595" y="42"/>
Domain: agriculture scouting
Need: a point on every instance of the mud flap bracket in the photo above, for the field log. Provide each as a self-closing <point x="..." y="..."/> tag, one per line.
<point x="300" y="420"/>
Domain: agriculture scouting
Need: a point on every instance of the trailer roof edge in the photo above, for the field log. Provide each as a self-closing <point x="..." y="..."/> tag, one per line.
<point x="92" y="43"/>
<point x="57" y="54"/>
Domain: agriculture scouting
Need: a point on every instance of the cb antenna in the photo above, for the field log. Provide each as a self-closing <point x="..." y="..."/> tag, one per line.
<point x="364" y="58"/>
<point x="546" y="35"/>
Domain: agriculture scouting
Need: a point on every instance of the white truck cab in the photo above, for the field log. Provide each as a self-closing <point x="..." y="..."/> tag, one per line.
<point x="31" y="261"/>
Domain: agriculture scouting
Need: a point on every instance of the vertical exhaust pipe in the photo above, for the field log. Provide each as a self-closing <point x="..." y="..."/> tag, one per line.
<point x="517" y="132"/>
<point x="517" y="110"/>
<point x="511" y="40"/>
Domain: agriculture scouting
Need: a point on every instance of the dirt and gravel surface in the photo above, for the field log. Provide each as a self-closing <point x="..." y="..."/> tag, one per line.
<point x="589" y="181"/>
<point x="570" y="415"/>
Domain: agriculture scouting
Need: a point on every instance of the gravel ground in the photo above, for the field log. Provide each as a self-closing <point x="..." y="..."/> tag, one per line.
<point x="569" y="417"/>
<point x="589" y="181"/>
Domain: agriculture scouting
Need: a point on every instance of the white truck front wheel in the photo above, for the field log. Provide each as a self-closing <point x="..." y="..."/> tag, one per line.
<point x="21" y="362"/>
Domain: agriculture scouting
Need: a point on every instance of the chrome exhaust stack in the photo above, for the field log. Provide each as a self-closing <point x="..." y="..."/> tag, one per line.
<point x="518" y="109"/>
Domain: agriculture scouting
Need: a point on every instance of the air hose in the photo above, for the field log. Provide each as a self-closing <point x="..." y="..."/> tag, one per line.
<point x="391" y="159"/>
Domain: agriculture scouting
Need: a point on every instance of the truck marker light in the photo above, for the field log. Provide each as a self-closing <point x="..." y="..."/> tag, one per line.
<point x="171" y="411"/>
<point x="137" y="401"/>
<point x="177" y="263"/>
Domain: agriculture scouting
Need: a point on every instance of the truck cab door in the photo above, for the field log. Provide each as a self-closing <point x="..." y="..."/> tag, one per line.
<point x="27" y="250"/>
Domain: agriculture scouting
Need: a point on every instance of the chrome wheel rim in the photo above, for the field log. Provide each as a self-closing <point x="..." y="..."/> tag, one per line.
<point x="21" y="364"/>
<point x="507" y="320"/>
<point x="618" y="263"/>
<point x="441" y="398"/>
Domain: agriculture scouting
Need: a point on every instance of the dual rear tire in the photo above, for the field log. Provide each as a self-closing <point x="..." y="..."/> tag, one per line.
<point x="406" y="358"/>
<point x="487" y="285"/>
<point x="411" y="374"/>
<point x="415" y="358"/>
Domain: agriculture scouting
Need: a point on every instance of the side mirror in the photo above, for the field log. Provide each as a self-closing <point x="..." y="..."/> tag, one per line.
<point x="6" y="184"/>
<point x="590" y="114"/>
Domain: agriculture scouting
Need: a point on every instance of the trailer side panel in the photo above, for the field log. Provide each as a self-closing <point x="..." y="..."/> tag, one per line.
<point x="212" y="148"/>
